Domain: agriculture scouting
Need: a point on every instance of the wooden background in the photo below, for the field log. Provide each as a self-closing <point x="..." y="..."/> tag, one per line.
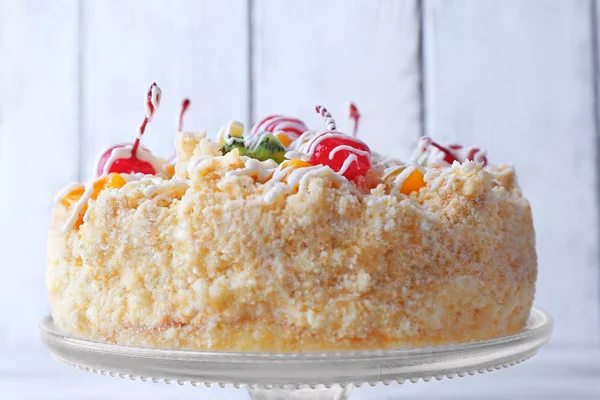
<point x="518" y="77"/>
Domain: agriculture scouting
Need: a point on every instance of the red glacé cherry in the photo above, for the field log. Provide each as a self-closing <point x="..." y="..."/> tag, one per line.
<point x="124" y="165"/>
<point x="131" y="163"/>
<point x="356" y="168"/>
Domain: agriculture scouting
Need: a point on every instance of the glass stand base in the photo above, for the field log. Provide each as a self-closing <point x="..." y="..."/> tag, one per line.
<point x="305" y="393"/>
<point x="295" y="376"/>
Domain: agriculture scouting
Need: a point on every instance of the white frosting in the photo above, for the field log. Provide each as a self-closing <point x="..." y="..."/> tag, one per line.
<point x="301" y="140"/>
<point x="165" y="187"/>
<point x="399" y="180"/>
<point x="448" y="176"/>
<point x="224" y="135"/>
<point x="348" y="148"/>
<point x="253" y="167"/>
<point x="299" y="177"/>
<point x="195" y="162"/>
<point x="347" y="162"/>
<point x="253" y="141"/>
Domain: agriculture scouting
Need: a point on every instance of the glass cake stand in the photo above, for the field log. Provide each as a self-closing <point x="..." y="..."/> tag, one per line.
<point x="299" y="375"/>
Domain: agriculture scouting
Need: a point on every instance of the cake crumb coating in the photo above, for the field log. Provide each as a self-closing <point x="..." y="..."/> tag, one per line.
<point x="201" y="261"/>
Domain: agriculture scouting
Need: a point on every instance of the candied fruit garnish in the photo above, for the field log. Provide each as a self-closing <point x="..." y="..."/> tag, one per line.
<point x="342" y="153"/>
<point x="413" y="182"/>
<point x="112" y="180"/>
<point x="284" y="139"/>
<point x="170" y="170"/>
<point x="72" y="197"/>
<point x="296" y="163"/>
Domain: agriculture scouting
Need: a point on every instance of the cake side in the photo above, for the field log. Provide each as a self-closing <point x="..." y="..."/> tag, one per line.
<point x="212" y="265"/>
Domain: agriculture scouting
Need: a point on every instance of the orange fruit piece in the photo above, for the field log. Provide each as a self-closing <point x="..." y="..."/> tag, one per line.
<point x="296" y="163"/>
<point x="413" y="182"/>
<point x="170" y="169"/>
<point x="72" y="197"/>
<point x="284" y="139"/>
<point x="112" y="180"/>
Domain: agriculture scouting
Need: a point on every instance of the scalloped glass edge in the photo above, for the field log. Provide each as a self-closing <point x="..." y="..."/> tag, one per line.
<point x="297" y="369"/>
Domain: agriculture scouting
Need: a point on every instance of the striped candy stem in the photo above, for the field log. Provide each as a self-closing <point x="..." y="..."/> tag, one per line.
<point x="153" y="97"/>
<point x="329" y="121"/>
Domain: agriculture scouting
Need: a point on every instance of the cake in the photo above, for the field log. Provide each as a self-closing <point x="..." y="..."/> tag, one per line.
<point x="282" y="238"/>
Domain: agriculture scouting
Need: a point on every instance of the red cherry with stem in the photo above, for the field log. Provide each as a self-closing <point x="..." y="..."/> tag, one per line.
<point x="184" y="106"/>
<point x="133" y="164"/>
<point x="449" y="155"/>
<point x="473" y="156"/>
<point x="354" y="116"/>
<point x="345" y="154"/>
<point x="342" y="153"/>
<point x="123" y="165"/>
<point x="279" y="123"/>
<point x="453" y="152"/>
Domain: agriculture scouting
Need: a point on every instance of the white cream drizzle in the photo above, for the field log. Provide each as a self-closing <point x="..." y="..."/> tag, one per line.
<point x="300" y="177"/>
<point x="253" y="141"/>
<point x="301" y="140"/>
<point x="165" y="187"/>
<point x="448" y="176"/>
<point x="347" y="162"/>
<point x="399" y="180"/>
<point x="87" y="194"/>
<point x="65" y="191"/>
<point x="116" y="153"/>
<point x="125" y="152"/>
<point x="347" y="148"/>
<point x="195" y="162"/>
<point x="253" y="167"/>
<point x="224" y="135"/>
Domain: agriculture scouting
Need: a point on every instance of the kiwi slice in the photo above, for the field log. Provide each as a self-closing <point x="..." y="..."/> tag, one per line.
<point x="231" y="143"/>
<point x="268" y="147"/>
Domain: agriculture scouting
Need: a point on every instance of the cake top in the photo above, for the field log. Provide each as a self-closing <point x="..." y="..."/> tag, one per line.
<point x="280" y="153"/>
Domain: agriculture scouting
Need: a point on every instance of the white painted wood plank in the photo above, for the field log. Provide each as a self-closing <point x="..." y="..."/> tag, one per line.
<point x="313" y="52"/>
<point x="195" y="49"/>
<point x="517" y="78"/>
<point x="38" y="150"/>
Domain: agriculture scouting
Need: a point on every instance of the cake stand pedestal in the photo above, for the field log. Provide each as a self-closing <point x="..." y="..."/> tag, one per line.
<point x="299" y="375"/>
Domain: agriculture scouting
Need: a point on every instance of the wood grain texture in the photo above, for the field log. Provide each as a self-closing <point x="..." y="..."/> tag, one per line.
<point x="313" y="52"/>
<point x="517" y="78"/>
<point x="38" y="149"/>
<point x="195" y="49"/>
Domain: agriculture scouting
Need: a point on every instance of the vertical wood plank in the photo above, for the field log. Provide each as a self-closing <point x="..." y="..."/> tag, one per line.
<point x="517" y="77"/>
<point x="195" y="49"/>
<point x="38" y="149"/>
<point x="313" y="52"/>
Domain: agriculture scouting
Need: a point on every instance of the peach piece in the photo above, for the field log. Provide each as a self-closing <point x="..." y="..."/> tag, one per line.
<point x="413" y="182"/>
<point x="284" y="139"/>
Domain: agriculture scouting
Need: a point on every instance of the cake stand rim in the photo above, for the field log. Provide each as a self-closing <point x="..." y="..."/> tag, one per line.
<point x="539" y="321"/>
<point x="239" y="368"/>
